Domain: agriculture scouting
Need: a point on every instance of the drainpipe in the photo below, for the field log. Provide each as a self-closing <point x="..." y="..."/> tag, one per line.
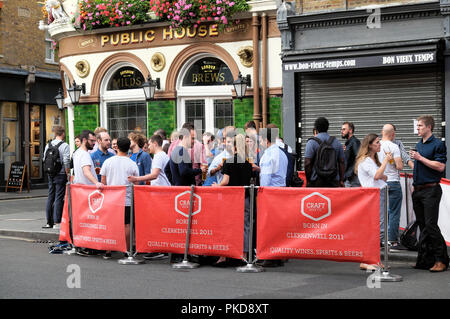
<point x="255" y="80"/>
<point x="265" y="113"/>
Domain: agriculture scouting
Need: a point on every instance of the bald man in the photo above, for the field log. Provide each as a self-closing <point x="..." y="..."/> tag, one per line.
<point x="392" y="172"/>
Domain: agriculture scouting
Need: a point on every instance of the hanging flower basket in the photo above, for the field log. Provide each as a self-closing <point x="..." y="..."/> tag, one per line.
<point x="182" y="13"/>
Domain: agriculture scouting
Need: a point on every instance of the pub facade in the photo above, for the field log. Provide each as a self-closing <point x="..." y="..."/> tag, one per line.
<point x="194" y="66"/>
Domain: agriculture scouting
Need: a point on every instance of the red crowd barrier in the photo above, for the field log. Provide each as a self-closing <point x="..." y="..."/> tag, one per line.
<point x="216" y="226"/>
<point x="98" y="218"/>
<point x="341" y="224"/>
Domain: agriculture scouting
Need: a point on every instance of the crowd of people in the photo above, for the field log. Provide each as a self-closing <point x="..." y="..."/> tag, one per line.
<point x="245" y="156"/>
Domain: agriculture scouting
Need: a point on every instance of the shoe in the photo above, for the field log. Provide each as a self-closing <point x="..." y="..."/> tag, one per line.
<point x="176" y="258"/>
<point x="107" y="255"/>
<point x="438" y="267"/>
<point x="155" y="256"/>
<point x="56" y="226"/>
<point x="396" y="246"/>
<point x="221" y="264"/>
<point x="47" y="226"/>
<point x="86" y="252"/>
<point x="367" y="267"/>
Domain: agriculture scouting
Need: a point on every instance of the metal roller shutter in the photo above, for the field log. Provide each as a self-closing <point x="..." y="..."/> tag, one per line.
<point x="370" y="100"/>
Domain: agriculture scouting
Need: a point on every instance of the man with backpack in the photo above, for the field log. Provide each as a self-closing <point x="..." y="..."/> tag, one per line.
<point x="57" y="166"/>
<point x="324" y="158"/>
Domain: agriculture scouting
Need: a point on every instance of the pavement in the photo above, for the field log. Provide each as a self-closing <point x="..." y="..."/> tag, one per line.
<point x="27" y="223"/>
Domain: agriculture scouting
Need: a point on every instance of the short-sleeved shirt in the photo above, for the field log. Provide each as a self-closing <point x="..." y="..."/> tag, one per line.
<point x="273" y="166"/>
<point x="434" y="150"/>
<point x="100" y="157"/>
<point x="392" y="173"/>
<point x="239" y="171"/>
<point x="64" y="154"/>
<point x="82" y="158"/>
<point x="312" y="146"/>
<point x="160" y="160"/>
<point x="143" y="161"/>
<point x="116" y="169"/>
<point x="366" y="174"/>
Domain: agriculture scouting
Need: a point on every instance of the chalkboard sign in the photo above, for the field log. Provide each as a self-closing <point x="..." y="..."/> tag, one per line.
<point x="16" y="177"/>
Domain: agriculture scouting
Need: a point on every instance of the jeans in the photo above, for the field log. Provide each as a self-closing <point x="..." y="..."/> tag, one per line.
<point x="55" y="201"/>
<point x="394" y="210"/>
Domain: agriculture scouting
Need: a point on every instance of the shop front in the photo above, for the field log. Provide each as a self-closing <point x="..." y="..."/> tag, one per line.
<point x="28" y="115"/>
<point x="392" y="74"/>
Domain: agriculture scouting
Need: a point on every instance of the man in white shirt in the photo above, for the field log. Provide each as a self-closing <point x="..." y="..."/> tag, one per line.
<point x="84" y="172"/>
<point x="392" y="172"/>
<point x="115" y="171"/>
<point x="83" y="166"/>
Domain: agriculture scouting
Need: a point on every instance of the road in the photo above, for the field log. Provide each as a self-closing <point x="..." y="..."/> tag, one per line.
<point x="29" y="271"/>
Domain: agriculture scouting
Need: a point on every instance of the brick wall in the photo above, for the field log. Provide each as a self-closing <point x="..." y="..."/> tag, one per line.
<point x="21" y="41"/>
<point x="161" y="114"/>
<point x="308" y="6"/>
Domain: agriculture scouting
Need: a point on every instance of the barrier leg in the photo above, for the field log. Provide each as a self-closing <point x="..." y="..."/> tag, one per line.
<point x="131" y="260"/>
<point x="384" y="274"/>
<point x="69" y="205"/>
<point x="251" y="266"/>
<point x="185" y="264"/>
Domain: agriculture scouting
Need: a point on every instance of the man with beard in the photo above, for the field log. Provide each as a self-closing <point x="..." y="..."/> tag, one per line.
<point x="351" y="149"/>
<point x="84" y="172"/>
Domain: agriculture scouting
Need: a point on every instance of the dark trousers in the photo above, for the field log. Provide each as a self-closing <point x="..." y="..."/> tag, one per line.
<point x="323" y="183"/>
<point x="432" y="247"/>
<point x="55" y="201"/>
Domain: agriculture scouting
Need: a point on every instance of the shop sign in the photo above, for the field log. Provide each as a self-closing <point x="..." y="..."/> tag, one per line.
<point x="126" y="78"/>
<point x="209" y="71"/>
<point x="361" y="62"/>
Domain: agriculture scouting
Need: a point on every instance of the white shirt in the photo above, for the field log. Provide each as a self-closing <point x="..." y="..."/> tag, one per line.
<point x="366" y="174"/>
<point x="280" y="143"/>
<point x="117" y="169"/>
<point x="160" y="161"/>
<point x="82" y="158"/>
<point x="391" y="171"/>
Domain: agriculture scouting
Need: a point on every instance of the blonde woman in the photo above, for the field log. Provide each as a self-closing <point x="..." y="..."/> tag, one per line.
<point x="371" y="174"/>
<point x="237" y="171"/>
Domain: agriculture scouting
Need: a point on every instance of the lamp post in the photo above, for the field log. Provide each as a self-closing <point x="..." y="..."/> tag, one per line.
<point x="75" y="92"/>
<point x="150" y="87"/>
<point x="60" y="100"/>
<point x="241" y="84"/>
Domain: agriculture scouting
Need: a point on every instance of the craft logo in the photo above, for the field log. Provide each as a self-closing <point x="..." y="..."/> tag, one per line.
<point x="182" y="203"/>
<point x="316" y="206"/>
<point x="95" y="200"/>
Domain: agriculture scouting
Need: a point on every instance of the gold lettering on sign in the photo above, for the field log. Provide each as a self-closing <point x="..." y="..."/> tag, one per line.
<point x="149" y="35"/>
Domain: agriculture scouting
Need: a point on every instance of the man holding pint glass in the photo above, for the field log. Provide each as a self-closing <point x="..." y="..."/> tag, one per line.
<point x="430" y="156"/>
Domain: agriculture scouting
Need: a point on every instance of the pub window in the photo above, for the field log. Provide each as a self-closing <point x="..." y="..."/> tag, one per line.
<point x="195" y="112"/>
<point x="223" y="113"/>
<point x="208" y="71"/>
<point x="126" y="117"/>
<point x="126" y="78"/>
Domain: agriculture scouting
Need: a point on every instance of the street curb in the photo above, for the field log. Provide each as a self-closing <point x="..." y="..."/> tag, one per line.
<point x="29" y="235"/>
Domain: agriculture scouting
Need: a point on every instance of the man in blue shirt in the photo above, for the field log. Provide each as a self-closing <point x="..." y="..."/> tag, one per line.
<point x="430" y="157"/>
<point x="142" y="159"/>
<point x="273" y="162"/>
<point x="321" y="125"/>
<point x="102" y="153"/>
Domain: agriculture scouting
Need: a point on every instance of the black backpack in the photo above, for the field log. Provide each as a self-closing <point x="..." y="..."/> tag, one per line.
<point x="52" y="162"/>
<point x="292" y="179"/>
<point x="325" y="159"/>
<point x="410" y="236"/>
